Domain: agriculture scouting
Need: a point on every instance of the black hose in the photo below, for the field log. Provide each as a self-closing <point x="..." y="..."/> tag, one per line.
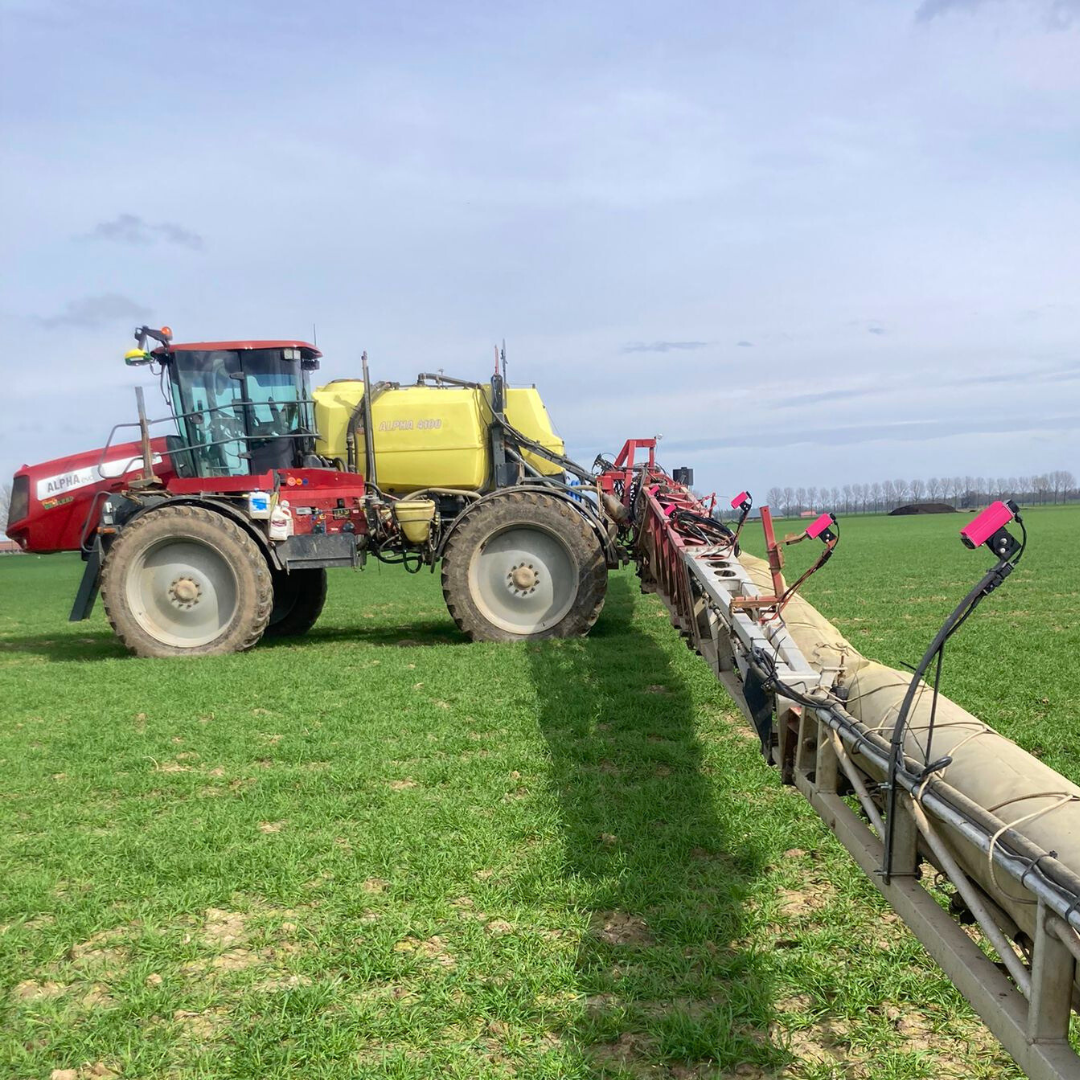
<point x="989" y="581"/>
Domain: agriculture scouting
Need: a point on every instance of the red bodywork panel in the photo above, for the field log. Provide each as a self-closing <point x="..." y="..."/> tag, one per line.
<point x="320" y="500"/>
<point x="220" y="485"/>
<point x="62" y="492"/>
<point x="324" y="501"/>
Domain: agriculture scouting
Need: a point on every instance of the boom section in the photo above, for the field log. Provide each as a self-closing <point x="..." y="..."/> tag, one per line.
<point x="911" y="815"/>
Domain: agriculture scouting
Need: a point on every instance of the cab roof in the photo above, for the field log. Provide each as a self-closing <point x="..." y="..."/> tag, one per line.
<point x="212" y="346"/>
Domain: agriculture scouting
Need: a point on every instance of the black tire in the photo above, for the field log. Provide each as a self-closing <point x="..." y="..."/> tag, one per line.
<point x="299" y="597"/>
<point x="505" y="529"/>
<point x="186" y="581"/>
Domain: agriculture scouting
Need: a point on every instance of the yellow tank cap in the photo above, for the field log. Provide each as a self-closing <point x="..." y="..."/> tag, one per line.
<point x="415" y="517"/>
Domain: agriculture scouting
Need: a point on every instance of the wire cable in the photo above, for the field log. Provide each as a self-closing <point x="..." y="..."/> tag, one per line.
<point x="818" y="563"/>
<point x="994" y="577"/>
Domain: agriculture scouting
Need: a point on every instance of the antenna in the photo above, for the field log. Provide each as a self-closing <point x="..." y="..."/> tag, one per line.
<point x="314" y="336"/>
<point x="369" y="434"/>
<point x="503" y="358"/>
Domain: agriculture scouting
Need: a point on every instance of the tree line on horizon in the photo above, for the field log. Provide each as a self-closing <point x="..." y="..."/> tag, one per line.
<point x="963" y="492"/>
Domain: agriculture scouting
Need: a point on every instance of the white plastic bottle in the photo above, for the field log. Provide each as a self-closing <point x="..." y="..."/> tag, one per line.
<point x="281" y="522"/>
<point x="259" y="505"/>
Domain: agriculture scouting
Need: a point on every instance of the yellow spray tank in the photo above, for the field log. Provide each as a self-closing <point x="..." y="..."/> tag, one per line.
<point x="430" y="436"/>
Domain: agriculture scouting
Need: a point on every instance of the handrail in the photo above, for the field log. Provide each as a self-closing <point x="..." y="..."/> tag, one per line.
<point x="175" y="417"/>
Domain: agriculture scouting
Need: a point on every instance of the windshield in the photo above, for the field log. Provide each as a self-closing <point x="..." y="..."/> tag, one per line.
<point x="239" y="408"/>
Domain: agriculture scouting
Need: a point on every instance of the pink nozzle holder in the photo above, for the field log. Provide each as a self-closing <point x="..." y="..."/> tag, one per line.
<point x="739" y="499"/>
<point x="984" y="525"/>
<point x="818" y="527"/>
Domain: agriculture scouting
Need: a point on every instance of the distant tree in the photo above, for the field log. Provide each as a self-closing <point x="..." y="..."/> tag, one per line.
<point x="5" y="504"/>
<point x="1057" y="486"/>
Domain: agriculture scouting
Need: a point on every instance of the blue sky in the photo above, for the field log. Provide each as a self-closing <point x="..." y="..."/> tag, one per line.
<point x="810" y="243"/>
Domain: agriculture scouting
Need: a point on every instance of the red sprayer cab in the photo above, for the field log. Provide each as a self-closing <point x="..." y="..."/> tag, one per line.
<point x="235" y="408"/>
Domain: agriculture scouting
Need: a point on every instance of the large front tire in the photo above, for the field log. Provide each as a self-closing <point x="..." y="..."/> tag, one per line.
<point x="522" y="566"/>
<point x="186" y="581"/>
<point x="299" y="597"/>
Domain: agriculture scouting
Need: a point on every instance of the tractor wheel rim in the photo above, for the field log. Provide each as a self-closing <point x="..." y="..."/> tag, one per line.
<point x="524" y="579"/>
<point x="182" y="592"/>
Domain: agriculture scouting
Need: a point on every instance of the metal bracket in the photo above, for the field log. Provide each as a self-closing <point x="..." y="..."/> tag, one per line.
<point x="88" y="586"/>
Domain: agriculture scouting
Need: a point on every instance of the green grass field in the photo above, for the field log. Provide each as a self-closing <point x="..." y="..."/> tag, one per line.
<point x="381" y="852"/>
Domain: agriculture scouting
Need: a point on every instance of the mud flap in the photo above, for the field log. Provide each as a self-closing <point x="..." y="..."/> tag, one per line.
<point x="88" y="587"/>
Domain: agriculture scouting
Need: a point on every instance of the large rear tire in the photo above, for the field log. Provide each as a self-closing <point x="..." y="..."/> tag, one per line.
<point x="523" y="566"/>
<point x="299" y="597"/>
<point x="186" y="581"/>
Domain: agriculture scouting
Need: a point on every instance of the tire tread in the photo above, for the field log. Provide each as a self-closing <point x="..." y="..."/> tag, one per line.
<point x="252" y="622"/>
<point x="487" y="516"/>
